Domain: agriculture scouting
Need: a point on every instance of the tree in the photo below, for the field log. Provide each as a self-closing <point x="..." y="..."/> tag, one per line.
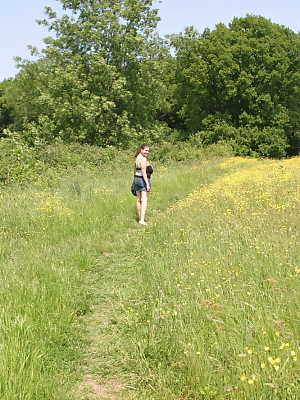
<point x="246" y="75"/>
<point x="98" y="80"/>
<point x="58" y="100"/>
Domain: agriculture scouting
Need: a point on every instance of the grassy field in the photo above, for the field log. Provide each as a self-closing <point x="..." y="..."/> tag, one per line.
<point x="201" y="304"/>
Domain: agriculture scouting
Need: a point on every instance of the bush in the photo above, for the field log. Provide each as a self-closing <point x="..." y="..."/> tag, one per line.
<point x="74" y="155"/>
<point x="191" y="150"/>
<point x="18" y="162"/>
<point x="45" y="164"/>
<point x="245" y="141"/>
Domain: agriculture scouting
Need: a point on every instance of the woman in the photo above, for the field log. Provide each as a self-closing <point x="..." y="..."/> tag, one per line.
<point x="141" y="181"/>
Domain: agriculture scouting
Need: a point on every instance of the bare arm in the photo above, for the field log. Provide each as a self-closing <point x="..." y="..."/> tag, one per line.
<point x="143" y="168"/>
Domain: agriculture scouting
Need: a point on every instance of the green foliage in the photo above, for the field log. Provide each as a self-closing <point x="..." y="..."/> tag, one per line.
<point x="46" y="165"/>
<point x="74" y="155"/>
<point x="155" y="135"/>
<point x="98" y="80"/>
<point x="245" y="141"/>
<point x="6" y="110"/>
<point x="17" y="162"/>
<point x="107" y="79"/>
<point x="71" y="104"/>
<point x="245" y="75"/>
<point x="192" y="150"/>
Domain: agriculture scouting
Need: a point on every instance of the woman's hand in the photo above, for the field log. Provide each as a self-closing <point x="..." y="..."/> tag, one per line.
<point x="148" y="188"/>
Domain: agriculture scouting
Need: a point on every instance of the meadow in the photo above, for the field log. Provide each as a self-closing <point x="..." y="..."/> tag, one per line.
<point x="203" y="303"/>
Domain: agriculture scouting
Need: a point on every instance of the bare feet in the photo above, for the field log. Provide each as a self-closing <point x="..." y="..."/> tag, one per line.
<point x="142" y="223"/>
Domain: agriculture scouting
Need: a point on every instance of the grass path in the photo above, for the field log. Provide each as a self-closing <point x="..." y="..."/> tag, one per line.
<point x="107" y="374"/>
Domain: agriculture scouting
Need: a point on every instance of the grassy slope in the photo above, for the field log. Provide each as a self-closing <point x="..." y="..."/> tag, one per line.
<point x="181" y="310"/>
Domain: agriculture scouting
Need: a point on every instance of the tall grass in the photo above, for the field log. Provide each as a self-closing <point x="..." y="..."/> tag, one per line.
<point x="204" y="303"/>
<point x="54" y="247"/>
<point x="201" y="304"/>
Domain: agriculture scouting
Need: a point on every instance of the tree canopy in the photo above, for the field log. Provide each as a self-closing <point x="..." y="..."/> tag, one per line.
<point x="99" y="80"/>
<point x="106" y="77"/>
<point x="241" y="83"/>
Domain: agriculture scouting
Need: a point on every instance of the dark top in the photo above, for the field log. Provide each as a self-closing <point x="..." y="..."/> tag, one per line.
<point x="149" y="171"/>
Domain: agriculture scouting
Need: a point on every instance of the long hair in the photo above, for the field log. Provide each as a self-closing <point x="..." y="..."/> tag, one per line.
<point x="141" y="147"/>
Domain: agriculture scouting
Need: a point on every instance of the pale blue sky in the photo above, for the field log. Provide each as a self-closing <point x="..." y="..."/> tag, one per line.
<point x="19" y="29"/>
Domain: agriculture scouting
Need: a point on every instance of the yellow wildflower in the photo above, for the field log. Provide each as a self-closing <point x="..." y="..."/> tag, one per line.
<point x="271" y="361"/>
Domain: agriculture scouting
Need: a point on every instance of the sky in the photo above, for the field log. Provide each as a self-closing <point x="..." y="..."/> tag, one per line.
<point x="18" y="27"/>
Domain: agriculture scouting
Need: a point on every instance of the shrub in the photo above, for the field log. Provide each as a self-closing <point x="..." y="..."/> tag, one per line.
<point x="245" y="141"/>
<point x="45" y="164"/>
<point x="18" y="162"/>
<point x="73" y="155"/>
<point x="190" y="150"/>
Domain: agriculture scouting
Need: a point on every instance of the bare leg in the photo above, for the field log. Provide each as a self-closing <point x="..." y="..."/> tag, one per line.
<point x="143" y="200"/>
<point x="138" y="205"/>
